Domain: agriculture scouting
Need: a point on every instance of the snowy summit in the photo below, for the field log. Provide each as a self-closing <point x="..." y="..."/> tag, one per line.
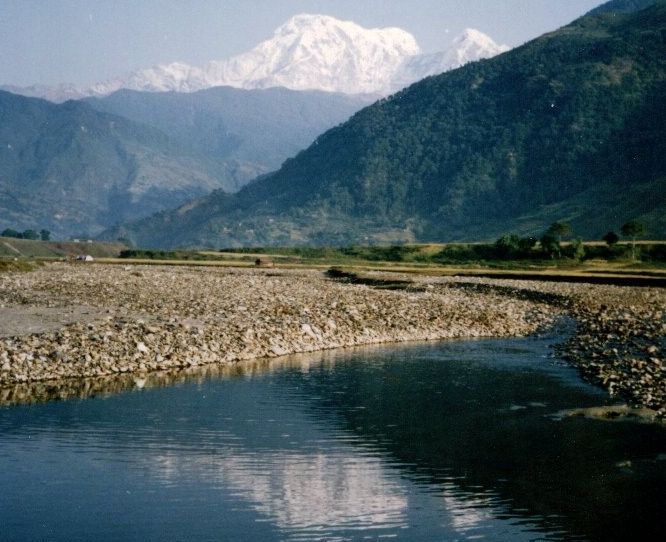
<point x="313" y="52"/>
<point x="317" y="52"/>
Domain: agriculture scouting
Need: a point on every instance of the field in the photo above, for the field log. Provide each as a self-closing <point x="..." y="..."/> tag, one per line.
<point x="604" y="266"/>
<point x="601" y="264"/>
<point x="11" y="248"/>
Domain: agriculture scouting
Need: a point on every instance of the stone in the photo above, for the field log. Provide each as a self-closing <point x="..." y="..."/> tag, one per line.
<point x="278" y="350"/>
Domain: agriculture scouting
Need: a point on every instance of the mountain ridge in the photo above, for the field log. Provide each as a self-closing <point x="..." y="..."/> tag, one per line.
<point x="68" y="168"/>
<point x="621" y="7"/>
<point x="308" y="52"/>
<point x="569" y="126"/>
<point x="254" y="129"/>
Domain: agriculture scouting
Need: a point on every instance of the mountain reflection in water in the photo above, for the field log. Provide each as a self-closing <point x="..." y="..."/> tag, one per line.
<point x="450" y="441"/>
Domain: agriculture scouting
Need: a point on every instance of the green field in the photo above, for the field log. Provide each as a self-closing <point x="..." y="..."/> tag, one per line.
<point x="11" y="248"/>
<point x="600" y="263"/>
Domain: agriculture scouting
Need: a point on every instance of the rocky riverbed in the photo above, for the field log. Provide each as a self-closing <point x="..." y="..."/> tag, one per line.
<point x="140" y="319"/>
<point x="620" y="344"/>
<point x="620" y="337"/>
<point x="67" y="321"/>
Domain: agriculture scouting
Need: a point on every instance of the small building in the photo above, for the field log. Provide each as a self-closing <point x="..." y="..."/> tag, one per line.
<point x="263" y="262"/>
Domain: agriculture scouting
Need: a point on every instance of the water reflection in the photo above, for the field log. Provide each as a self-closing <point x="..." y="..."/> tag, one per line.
<point x="84" y="388"/>
<point x="447" y="442"/>
<point x="490" y="417"/>
<point x="316" y="492"/>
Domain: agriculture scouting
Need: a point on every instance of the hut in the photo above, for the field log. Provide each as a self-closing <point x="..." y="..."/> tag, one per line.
<point x="263" y="262"/>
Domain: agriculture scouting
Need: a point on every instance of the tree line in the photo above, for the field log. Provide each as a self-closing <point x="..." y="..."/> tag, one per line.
<point x="550" y="242"/>
<point x="34" y="235"/>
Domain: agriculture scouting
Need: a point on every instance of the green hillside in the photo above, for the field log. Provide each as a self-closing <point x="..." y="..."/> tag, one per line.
<point x="570" y="126"/>
<point x="622" y="6"/>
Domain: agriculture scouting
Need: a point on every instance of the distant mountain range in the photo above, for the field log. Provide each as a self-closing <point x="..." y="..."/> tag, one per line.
<point x="571" y="126"/>
<point x="78" y="168"/>
<point x="249" y="132"/>
<point x="308" y="52"/>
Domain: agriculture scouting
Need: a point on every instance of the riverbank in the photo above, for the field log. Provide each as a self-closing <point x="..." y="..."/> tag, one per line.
<point x="67" y="321"/>
<point x="620" y="338"/>
<point x="139" y="319"/>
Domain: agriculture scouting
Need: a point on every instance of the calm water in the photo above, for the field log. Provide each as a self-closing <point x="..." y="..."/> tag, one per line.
<point x="454" y="441"/>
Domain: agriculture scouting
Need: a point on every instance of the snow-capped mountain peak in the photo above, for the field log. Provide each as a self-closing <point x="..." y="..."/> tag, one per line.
<point x="473" y="45"/>
<point x="175" y="76"/>
<point x="470" y="46"/>
<point x="318" y="52"/>
<point x="309" y="52"/>
<point x="317" y="28"/>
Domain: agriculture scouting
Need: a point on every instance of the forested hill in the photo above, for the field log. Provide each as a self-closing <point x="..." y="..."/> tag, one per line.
<point x="570" y="126"/>
<point x="622" y="6"/>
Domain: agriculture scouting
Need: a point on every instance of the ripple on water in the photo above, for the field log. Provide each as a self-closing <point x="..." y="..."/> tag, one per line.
<point x="455" y="441"/>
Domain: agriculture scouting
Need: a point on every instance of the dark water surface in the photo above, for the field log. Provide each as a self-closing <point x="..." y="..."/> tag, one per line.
<point x="452" y="441"/>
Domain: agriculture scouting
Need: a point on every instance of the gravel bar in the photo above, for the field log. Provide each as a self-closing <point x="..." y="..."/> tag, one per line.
<point x="67" y="321"/>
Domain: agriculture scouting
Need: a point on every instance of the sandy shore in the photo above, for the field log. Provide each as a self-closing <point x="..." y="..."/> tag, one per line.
<point x="67" y="321"/>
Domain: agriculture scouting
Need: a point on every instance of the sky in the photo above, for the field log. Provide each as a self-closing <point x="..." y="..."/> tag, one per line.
<point x="87" y="41"/>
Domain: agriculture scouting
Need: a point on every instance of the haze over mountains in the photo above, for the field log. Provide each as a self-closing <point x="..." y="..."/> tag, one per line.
<point x="571" y="126"/>
<point x="73" y="170"/>
<point x="308" y="52"/>
<point x="79" y="167"/>
<point x="250" y="131"/>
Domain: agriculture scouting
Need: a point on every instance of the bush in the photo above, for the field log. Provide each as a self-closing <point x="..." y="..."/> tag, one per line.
<point x="149" y="254"/>
<point x="611" y="238"/>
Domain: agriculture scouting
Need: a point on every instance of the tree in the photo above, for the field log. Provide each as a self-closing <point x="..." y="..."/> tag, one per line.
<point x="30" y="234"/>
<point x="11" y="233"/>
<point x="526" y="244"/>
<point x="611" y="238"/>
<point x="559" y="230"/>
<point x="45" y="235"/>
<point x="633" y="229"/>
<point x="507" y="245"/>
<point x="550" y="240"/>
<point x="550" y="245"/>
<point x="513" y="246"/>
<point x="578" y="250"/>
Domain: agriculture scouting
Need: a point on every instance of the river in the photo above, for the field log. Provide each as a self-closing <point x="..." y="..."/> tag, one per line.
<point x="459" y="440"/>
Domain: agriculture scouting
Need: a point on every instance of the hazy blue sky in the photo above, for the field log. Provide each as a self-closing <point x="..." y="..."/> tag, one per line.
<point x="84" y="41"/>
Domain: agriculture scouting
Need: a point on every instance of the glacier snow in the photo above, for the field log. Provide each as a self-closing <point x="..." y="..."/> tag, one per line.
<point x="308" y="52"/>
